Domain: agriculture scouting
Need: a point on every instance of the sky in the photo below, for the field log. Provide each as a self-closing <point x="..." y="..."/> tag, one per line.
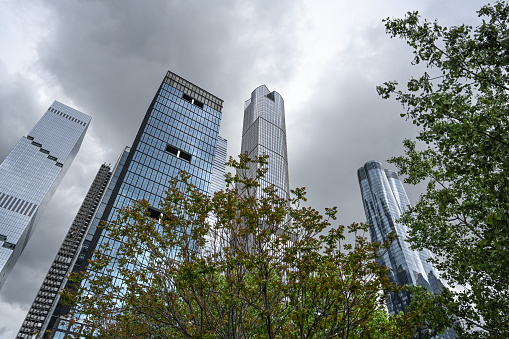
<point x="108" y="58"/>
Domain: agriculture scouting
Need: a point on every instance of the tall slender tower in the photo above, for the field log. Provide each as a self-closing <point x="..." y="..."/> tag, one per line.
<point x="31" y="174"/>
<point x="385" y="200"/>
<point x="264" y="132"/>
<point x="47" y="299"/>
<point x="180" y="131"/>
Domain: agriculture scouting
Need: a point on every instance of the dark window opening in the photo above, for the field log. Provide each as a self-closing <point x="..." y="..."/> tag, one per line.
<point x="178" y="153"/>
<point x="156" y="214"/>
<point x="198" y="103"/>
<point x="185" y="156"/>
<point x="193" y="101"/>
<point x="36" y="144"/>
<point x="271" y="96"/>
<point x="52" y="158"/>
<point x="3" y="237"/>
<point x="29" y="137"/>
<point x="172" y="150"/>
<point x="9" y="245"/>
<point x="59" y="164"/>
<point x="45" y="151"/>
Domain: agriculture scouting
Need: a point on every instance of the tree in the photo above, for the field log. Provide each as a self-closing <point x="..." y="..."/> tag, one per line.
<point x="235" y="266"/>
<point x="461" y="107"/>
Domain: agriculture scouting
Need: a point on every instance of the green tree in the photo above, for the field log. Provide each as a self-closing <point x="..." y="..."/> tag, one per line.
<point x="462" y="149"/>
<point x="235" y="266"/>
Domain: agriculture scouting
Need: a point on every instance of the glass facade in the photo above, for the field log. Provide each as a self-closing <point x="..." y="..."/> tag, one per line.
<point x="385" y="200"/>
<point x="264" y="132"/>
<point x="30" y="175"/>
<point x="180" y="131"/>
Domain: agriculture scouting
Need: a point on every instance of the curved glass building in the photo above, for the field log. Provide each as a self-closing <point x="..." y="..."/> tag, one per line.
<point x="264" y="132"/>
<point x="385" y="200"/>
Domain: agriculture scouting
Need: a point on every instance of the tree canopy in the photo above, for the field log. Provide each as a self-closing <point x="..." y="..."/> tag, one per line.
<point x="462" y="150"/>
<point x="235" y="266"/>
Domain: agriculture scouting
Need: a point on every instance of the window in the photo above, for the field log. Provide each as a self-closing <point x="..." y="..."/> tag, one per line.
<point x="187" y="98"/>
<point x="172" y="150"/>
<point x="52" y="158"/>
<point x="185" y="156"/>
<point x="59" y="164"/>
<point x="156" y="214"/>
<point x="29" y="137"/>
<point x="192" y="101"/>
<point x="9" y="245"/>
<point x="3" y="237"/>
<point x="198" y="103"/>
<point x="178" y="153"/>
<point x="36" y="144"/>
<point x="45" y="151"/>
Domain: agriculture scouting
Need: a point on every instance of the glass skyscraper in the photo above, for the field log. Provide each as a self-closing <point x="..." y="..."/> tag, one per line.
<point x="180" y="131"/>
<point x="385" y="200"/>
<point x="264" y="132"/>
<point x="31" y="174"/>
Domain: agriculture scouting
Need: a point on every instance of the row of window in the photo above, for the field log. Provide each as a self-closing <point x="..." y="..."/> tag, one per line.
<point x="170" y="111"/>
<point x="155" y="157"/>
<point x="176" y="88"/>
<point x="45" y="151"/>
<point x="67" y="116"/>
<point x="17" y="205"/>
<point x="207" y="112"/>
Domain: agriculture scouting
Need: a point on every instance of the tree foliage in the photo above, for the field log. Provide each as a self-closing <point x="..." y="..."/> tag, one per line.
<point x="235" y="266"/>
<point x="461" y="107"/>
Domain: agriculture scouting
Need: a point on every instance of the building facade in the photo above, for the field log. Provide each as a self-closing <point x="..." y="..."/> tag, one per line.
<point x="385" y="200"/>
<point x="46" y="303"/>
<point x="31" y="174"/>
<point x="264" y="133"/>
<point x="217" y="182"/>
<point x="180" y="131"/>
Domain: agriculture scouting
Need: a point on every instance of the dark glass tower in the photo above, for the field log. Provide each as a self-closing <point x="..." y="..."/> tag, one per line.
<point x="31" y="174"/>
<point x="179" y="132"/>
<point x="47" y="300"/>
<point x="385" y="200"/>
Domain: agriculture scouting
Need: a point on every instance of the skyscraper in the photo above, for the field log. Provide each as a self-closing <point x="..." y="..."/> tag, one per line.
<point x="385" y="200"/>
<point x="31" y="174"/>
<point x="47" y="299"/>
<point x="264" y="132"/>
<point x="179" y="132"/>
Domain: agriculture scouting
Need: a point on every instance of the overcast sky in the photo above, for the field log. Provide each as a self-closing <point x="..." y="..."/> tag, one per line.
<point x="107" y="59"/>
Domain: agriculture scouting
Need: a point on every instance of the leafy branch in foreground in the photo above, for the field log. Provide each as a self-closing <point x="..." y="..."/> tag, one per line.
<point x="463" y="114"/>
<point x="235" y="266"/>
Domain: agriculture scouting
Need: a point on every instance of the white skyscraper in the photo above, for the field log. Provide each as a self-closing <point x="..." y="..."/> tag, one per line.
<point x="31" y="174"/>
<point x="264" y="132"/>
